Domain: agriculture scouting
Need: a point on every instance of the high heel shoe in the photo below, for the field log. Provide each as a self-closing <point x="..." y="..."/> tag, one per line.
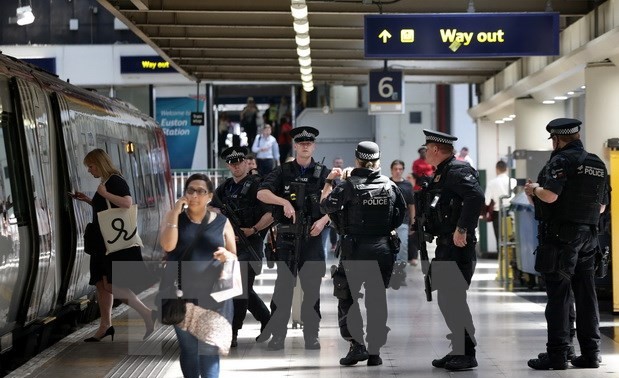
<point x="108" y="332"/>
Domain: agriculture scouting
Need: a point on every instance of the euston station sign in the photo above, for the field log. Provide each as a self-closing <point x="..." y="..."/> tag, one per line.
<point x="461" y="35"/>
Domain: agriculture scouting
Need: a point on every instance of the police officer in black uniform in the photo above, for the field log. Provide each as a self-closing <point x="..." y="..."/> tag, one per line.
<point x="238" y="195"/>
<point x="366" y="208"/>
<point x="452" y="202"/>
<point x="294" y="211"/>
<point x="570" y="193"/>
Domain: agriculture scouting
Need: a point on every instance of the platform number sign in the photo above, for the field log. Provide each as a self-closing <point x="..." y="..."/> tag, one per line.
<point x="386" y="92"/>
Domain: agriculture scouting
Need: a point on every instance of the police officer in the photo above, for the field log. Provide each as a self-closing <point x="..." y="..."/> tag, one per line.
<point x="236" y="198"/>
<point x="294" y="188"/>
<point x="452" y="202"/>
<point x="570" y="193"/>
<point x="367" y="208"/>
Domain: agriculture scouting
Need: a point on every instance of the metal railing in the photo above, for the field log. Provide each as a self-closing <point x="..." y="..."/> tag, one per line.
<point x="179" y="176"/>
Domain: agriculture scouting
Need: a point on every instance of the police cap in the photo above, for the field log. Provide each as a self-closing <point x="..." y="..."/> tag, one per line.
<point x="367" y="150"/>
<point x="563" y="126"/>
<point x="234" y="154"/>
<point x="303" y="134"/>
<point x="433" y="136"/>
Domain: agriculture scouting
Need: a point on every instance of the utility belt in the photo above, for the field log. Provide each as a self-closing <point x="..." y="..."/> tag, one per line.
<point x="392" y="239"/>
<point x="563" y="231"/>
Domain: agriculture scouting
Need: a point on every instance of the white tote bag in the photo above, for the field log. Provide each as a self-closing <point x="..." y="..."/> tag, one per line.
<point x="119" y="228"/>
<point x="229" y="284"/>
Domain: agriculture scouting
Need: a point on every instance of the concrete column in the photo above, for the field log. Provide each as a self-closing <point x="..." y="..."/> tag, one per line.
<point x="601" y="111"/>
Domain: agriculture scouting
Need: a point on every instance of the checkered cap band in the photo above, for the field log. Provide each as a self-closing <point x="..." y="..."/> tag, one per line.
<point x="304" y="134"/>
<point x="438" y="139"/>
<point x="569" y="131"/>
<point x="367" y="156"/>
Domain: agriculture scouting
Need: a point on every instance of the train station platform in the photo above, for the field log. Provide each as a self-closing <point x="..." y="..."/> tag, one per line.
<point x="511" y="329"/>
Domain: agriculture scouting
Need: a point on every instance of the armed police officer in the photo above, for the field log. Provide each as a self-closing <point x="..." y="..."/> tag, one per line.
<point x="294" y="188"/>
<point x="570" y="193"/>
<point x="366" y="208"/>
<point x="236" y="198"/>
<point x="451" y="205"/>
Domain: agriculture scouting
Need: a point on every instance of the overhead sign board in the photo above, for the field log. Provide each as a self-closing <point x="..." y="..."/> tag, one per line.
<point x="461" y="35"/>
<point x="144" y="64"/>
<point x="386" y="92"/>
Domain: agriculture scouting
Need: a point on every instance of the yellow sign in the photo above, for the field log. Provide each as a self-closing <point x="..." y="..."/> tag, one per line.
<point x="464" y="38"/>
<point x="407" y="35"/>
<point x="384" y="35"/>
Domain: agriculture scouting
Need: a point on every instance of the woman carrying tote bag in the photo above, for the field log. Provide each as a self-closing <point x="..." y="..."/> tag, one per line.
<point x="201" y="241"/>
<point x="112" y="192"/>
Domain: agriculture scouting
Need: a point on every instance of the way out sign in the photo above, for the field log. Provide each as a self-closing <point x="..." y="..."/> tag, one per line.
<point x="386" y="92"/>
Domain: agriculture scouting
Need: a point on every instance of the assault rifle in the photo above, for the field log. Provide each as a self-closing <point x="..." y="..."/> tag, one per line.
<point x="236" y="225"/>
<point x="300" y="228"/>
<point x="422" y="237"/>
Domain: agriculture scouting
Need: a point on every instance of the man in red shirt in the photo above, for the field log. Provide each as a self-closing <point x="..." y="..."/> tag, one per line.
<point x="422" y="170"/>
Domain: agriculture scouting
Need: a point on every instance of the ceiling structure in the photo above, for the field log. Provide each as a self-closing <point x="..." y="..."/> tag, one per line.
<point x="254" y="41"/>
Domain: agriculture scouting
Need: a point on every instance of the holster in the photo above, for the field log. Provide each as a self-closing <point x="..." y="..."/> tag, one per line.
<point x="340" y="283"/>
<point x="394" y="242"/>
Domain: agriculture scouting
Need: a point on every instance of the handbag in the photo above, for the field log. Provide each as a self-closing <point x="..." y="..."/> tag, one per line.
<point x="93" y="242"/>
<point x="173" y="305"/>
<point x="229" y="284"/>
<point x="119" y="228"/>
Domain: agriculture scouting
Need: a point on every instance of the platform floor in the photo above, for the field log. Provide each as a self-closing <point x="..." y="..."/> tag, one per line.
<point x="510" y="329"/>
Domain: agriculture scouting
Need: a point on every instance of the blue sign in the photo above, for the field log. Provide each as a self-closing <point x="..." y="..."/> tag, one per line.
<point x="144" y="64"/>
<point x="461" y="35"/>
<point x="386" y="92"/>
<point x="48" y="64"/>
<point x="174" y="116"/>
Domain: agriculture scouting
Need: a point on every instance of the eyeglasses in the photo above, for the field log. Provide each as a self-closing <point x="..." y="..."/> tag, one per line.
<point x="199" y="191"/>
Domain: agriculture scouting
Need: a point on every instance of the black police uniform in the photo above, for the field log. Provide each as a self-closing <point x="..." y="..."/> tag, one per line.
<point x="240" y="198"/>
<point x="366" y="208"/>
<point x="568" y="244"/>
<point x="310" y="266"/>
<point x="453" y="199"/>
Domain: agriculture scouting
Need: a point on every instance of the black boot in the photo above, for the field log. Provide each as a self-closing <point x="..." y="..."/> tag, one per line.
<point x="456" y="363"/>
<point x="276" y="343"/>
<point x="587" y="361"/>
<point x="356" y="353"/>
<point x="234" y="342"/>
<point x="440" y="362"/>
<point x="554" y="361"/>
<point x="374" y="360"/>
<point x="311" y="342"/>
<point x="571" y="353"/>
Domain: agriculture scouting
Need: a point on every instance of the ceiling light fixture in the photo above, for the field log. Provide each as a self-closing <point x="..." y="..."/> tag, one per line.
<point x="305" y="70"/>
<point x="560" y="98"/>
<point x="24" y="15"/>
<point x="301" y="26"/>
<point x="499" y="121"/>
<point x="298" y="10"/>
<point x="548" y="102"/>
<point x="305" y="61"/>
<point x="307" y="78"/>
<point x="304" y="51"/>
<point x="302" y="39"/>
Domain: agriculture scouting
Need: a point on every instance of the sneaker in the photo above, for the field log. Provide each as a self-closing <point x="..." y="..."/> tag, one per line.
<point x="571" y="353"/>
<point x="547" y="363"/>
<point x="461" y="363"/>
<point x="587" y="362"/>
<point x="356" y="353"/>
<point x="374" y="360"/>
<point x="276" y="343"/>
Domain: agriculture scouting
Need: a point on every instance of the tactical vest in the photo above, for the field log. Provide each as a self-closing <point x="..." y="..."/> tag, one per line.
<point x="371" y="209"/>
<point x="442" y="206"/>
<point x="245" y="206"/>
<point x="312" y="190"/>
<point x="582" y="195"/>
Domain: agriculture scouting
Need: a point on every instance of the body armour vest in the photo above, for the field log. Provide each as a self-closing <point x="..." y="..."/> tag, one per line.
<point x="443" y="206"/>
<point x="242" y="201"/>
<point x="312" y="190"/>
<point x="370" y="211"/>
<point x="582" y="195"/>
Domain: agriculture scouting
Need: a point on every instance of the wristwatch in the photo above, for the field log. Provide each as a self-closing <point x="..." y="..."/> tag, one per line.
<point x="329" y="181"/>
<point x="461" y="230"/>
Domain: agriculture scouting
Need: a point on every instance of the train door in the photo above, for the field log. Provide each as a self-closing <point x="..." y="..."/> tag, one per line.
<point x="38" y="152"/>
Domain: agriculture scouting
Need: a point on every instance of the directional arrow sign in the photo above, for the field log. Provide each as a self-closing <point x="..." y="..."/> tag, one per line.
<point x="384" y="35"/>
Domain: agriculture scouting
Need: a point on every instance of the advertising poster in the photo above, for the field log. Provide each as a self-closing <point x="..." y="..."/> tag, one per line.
<point x="174" y="116"/>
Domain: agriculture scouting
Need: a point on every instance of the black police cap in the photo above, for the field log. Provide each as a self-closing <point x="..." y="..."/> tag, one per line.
<point x="367" y="150"/>
<point x="304" y="134"/>
<point x="433" y="136"/>
<point x="234" y="154"/>
<point x="563" y="126"/>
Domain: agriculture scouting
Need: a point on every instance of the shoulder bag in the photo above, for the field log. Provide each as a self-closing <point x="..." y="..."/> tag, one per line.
<point x="119" y="227"/>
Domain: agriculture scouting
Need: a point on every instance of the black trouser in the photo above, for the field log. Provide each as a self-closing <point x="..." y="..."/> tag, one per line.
<point x="333" y="236"/>
<point x="576" y="269"/>
<point x="495" y="227"/>
<point x="249" y="300"/>
<point x="413" y="246"/>
<point x="265" y="166"/>
<point x="368" y="262"/>
<point x="452" y="271"/>
<point x="310" y="271"/>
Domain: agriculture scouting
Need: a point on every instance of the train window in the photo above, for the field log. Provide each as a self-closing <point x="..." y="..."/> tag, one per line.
<point x="7" y="217"/>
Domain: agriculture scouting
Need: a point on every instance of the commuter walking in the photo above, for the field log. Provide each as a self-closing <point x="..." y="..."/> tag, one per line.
<point x="404" y="230"/>
<point x="452" y="203"/>
<point x="236" y="199"/>
<point x="294" y="190"/>
<point x="498" y="193"/>
<point x="570" y="193"/>
<point x="367" y="208"/>
<point x="113" y="191"/>
<point x="207" y="240"/>
<point x="267" y="151"/>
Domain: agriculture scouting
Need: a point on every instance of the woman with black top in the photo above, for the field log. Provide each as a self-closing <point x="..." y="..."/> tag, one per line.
<point x="206" y="331"/>
<point x="114" y="189"/>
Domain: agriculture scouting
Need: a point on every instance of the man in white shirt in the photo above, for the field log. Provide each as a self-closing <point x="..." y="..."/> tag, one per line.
<point x="463" y="155"/>
<point x="267" y="151"/>
<point x="499" y="187"/>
